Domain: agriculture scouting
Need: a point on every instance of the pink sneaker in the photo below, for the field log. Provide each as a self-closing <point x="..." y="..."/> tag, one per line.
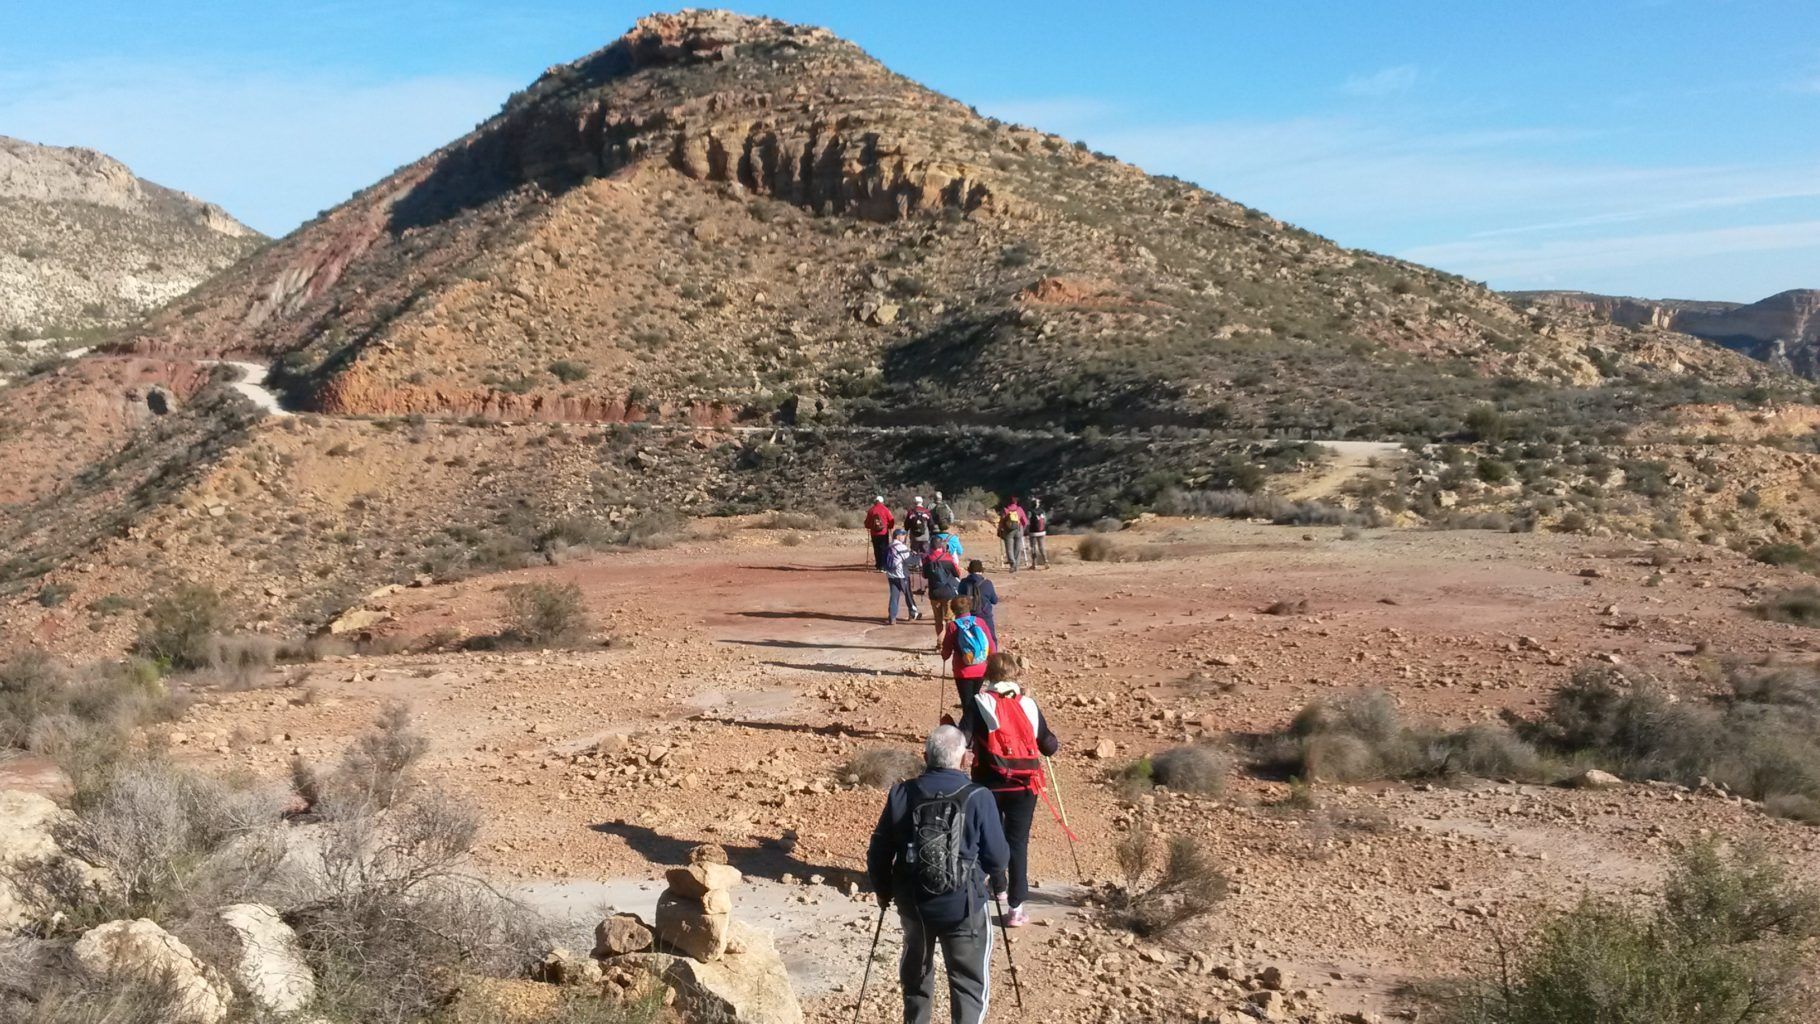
<point x="1016" y="918"/>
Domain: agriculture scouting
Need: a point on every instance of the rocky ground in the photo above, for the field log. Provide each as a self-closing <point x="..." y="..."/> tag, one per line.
<point x="737" y="672"/>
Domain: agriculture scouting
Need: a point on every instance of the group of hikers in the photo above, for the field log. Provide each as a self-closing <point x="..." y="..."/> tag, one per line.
<point x="954" y="839"/>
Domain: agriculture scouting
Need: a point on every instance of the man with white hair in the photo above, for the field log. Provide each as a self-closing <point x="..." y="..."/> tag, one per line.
<point x="937" y="848"/>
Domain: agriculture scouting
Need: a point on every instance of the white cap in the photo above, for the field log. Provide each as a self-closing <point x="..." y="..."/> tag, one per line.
<point x="880" y="499"/>
<point x="919" y="499"/>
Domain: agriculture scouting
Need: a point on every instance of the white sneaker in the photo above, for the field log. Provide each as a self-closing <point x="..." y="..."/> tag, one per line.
<point x="1016" y="918"/>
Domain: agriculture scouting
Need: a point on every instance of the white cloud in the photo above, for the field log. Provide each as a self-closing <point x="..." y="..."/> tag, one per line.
<point x="1560" y="259"/>
<point x="272" y="147"/>
<point x="1385" y="82"/>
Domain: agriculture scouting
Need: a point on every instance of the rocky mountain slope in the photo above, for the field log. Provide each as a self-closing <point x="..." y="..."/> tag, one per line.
<point x="730" y="264"/>
<point x="85" y="244"/>
<point x="720" y="219"/>
<point x="1782" y="330"/>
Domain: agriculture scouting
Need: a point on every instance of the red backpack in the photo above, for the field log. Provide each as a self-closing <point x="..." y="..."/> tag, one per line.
<point x="1011" y="749"/>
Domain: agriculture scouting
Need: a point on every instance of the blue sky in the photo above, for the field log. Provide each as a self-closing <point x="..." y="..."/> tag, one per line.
<point x="1648" y="147"/>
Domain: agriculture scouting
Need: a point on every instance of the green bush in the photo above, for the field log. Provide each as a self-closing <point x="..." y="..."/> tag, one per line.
<point x="180" y="627"/>
<point x="1724" y="945"/>
<point x="568" y="371"/>
<point x="1784" y="554"/>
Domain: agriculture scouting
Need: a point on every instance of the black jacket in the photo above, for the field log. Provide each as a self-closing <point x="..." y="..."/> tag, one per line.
<point x="984" y="596"/>
<point x="944" y="581"/>
<point x="984" y="844"/>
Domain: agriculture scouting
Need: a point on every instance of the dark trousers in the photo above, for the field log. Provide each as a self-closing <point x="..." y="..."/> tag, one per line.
<point x="1016" y="810"/>
<point x="968" y="689"/>
<point x="900" y="588"/>
<point x="967" y="951"/>
<point x="879" y="543"/>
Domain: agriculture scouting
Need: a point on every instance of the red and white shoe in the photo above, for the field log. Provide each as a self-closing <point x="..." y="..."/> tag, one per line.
<point x="1016" y="918"/>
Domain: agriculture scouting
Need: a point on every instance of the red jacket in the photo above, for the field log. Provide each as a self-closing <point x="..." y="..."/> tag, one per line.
<point x="951" y="641"/>
<point x="879" y="520"/>
<point x="1023" y="518"/>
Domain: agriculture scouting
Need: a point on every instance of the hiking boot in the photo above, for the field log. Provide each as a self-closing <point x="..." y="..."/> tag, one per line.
<point x="1016" y="918"/>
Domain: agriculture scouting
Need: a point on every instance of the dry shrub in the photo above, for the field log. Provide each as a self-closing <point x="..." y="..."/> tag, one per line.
<point x="81" y="718"/>
<point x="1097" y="547"/>
<point x="1299" y="606"/>
<point x="1760" y="740"/>
<point x="1160" y="893"/>
<point x="546" y="614"/>
<point x="41" y="984"/>
<point x="884" y="766"/>
<point x="392" y="919"/>
<point x="1800" y="606"/>
<point x="1362" y="736"/>
<point x="1193" y="768"/>
<point x="376" y="770"/>
<point x="177" y="843"/>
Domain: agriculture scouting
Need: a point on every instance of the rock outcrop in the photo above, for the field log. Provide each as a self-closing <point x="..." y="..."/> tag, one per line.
<point x="1782" y="330"/>
<point x="145" y="952"/>
<point x="86" y="244"/>
<point x="26" y="820"/>
<point x="268" y="965"/>
<point x="695" y="912"/>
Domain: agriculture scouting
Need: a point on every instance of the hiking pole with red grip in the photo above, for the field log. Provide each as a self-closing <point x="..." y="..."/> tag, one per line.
<point x="866" y="979"/>
<point x="1062" y="806"/>
<point x="1017" y="989"/>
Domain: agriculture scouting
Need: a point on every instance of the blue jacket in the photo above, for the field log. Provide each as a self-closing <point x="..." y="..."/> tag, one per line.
<point x="984" y="844"/>
<point x="984" y="596"/>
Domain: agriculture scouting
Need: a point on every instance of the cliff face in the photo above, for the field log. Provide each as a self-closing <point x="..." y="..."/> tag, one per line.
<point x="1782" y="330"/>
<point x="85" y="244"/>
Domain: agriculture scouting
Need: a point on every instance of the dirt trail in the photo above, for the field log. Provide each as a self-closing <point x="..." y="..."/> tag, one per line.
<point x="746" y="668"/>
<point x="1351" y="459"/>
<point x="252" y="385"/>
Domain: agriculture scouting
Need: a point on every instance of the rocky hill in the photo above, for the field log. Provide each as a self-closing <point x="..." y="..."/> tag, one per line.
<point x="720" y="219"/>
<point x="731" y="264"/>
<point x="86" y="245"/>
<point x="1782" y="330"/>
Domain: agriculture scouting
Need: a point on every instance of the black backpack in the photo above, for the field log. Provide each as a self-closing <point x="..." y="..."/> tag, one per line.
<point x="938" y="828"/>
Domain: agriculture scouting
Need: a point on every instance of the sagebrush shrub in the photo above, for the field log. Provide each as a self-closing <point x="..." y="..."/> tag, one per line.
<point x="545" y="614"/>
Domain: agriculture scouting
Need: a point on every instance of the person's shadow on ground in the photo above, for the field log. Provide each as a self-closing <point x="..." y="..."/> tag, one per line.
<point x="771" y="861"/>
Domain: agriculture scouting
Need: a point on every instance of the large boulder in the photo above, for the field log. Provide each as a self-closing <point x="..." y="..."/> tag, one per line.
<point x="701" y="879"/>
<point x="143" y="951"/>
<point x="26" y="820"/>
<point x="748" y="985"/>
<point x="267" y="963"/>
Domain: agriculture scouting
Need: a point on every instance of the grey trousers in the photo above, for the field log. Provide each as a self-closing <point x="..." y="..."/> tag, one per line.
<point x="966" y="949"/>
<point x="1038" y="553"/>
<point x="1014" y="549"/>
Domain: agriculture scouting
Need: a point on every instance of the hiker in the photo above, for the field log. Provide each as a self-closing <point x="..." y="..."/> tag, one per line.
<point x="1012" y="522"/>
<point x="942" y="514"/>
<point x="937" y="848"/>
<point x="1039" y="532"/>
<point x="900" y="562"/>
<point x="981" y="592"/>
<point x="946" y="535"/>
<point x="1010" y="738"/>
<point x="878" y="523"/>
<point x="944" y="576"/>
<point x="969" y="643"/>
<point x="921" y="526"/>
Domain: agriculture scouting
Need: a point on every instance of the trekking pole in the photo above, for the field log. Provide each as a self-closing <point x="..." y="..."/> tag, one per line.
<point x="1017" y="989"/>
<point x="1062" y="806"/>
<point x="866" y="978"/>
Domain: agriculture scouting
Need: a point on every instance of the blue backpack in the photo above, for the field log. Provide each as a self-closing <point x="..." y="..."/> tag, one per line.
<point x="970" y="644"/>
